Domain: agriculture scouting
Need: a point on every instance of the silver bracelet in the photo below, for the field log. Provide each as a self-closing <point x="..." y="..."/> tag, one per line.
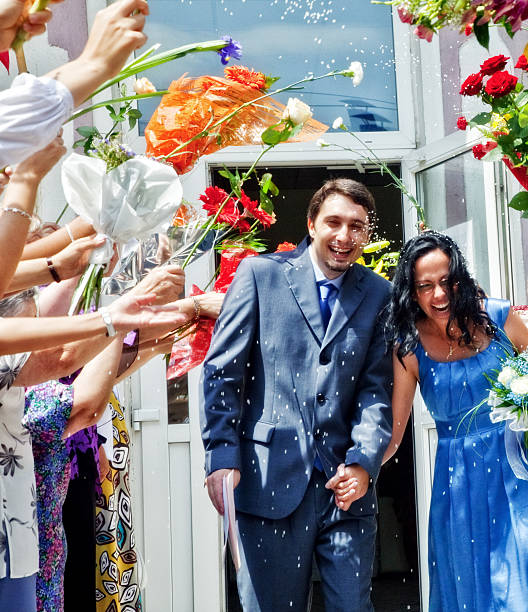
<point x="17" y="211"/>
<point x="70" y="233"/>
<point x="107" y="320"/>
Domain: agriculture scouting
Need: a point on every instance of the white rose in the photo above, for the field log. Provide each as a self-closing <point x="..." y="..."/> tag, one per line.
<point x="520" y="385"/>
<point x="338" y="122"/>
<point x="321" y="142"/>
<point x="296" y="111"/>
<point x="506" y="376"/>
<point x="144" y="86"/>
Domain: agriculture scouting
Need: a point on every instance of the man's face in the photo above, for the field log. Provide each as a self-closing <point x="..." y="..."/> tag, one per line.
<point x="339" y="232"/>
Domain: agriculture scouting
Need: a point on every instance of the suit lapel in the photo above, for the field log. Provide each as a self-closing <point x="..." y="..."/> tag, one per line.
<point x="301" y="280"/>
<point x="351" y="295"/>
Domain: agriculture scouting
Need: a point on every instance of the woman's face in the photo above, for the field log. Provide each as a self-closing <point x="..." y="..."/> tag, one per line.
<point x="431" y="285"/>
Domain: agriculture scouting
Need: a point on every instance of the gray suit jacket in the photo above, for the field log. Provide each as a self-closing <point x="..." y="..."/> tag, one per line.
<point x="277" y="388"/>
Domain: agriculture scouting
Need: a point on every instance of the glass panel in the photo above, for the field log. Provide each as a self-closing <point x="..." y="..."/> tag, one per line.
<point x="178" y="400"/>
<point x="453" y="197"/>
<point x="290" y="40"/>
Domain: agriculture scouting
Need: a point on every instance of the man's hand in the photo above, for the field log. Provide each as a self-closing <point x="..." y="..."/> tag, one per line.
<point x="74" y="259"/>
<point x="214" y="484"/>
<point x="167" y="282"/>
<point x="349" y="484"/>
<point x="11" y="15"/>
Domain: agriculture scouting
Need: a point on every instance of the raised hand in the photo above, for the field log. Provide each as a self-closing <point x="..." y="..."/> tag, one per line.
<point x="167" y="282"/>
<point x="12" y="14"/>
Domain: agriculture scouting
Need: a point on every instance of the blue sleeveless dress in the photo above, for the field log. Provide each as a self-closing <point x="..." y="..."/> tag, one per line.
<point x="478" y="522"/>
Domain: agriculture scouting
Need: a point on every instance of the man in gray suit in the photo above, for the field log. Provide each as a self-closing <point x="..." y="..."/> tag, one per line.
<point x="296" y="400"/>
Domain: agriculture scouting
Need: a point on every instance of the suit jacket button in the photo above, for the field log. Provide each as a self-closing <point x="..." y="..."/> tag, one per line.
<point x="321" y="399"/>
<point x="324" y="359"/>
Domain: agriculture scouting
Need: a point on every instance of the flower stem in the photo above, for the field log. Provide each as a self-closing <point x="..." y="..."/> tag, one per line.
<point x="211" y="223"/>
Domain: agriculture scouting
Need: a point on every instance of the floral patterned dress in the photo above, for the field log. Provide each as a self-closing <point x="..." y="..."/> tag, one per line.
<point x="48" y="407"/>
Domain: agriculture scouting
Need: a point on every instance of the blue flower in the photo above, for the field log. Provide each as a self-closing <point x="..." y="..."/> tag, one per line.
<point x="233" y="49"/>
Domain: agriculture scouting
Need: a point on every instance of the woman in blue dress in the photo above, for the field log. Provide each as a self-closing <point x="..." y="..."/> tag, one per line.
<point x="446" y="335"/>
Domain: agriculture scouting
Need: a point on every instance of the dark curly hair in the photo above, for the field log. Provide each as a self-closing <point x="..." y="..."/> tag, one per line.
<point x="403" y="311"/>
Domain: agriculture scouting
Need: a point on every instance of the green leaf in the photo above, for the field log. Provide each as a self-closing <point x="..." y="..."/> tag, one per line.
<point x="88" y="130"/>
<point x="219" y="140"/>
<point x="271" y="136"/>
<point x="134" y="112"/>
<point x="523" y="116"/>
<point x="480" y="119"/>
<point x="522" y="98"/>
<point x="265" y="203"/>
<point x="265" y="182"/>
<point x="131" y="122"/>
<point x="520" y="202"/>
<point x="482" y="34"/>
<point x="226" y="174"/>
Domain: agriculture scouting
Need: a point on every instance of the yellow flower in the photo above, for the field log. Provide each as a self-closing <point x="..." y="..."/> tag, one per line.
<point x="498" y="123"/>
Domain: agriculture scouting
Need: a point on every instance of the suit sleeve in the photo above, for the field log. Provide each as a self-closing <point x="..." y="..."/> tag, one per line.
<point x="372" y="423"/>
<point x="224" y="371"/>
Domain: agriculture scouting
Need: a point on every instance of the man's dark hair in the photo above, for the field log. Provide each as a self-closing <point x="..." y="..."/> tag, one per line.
<point x="345" y="187"/>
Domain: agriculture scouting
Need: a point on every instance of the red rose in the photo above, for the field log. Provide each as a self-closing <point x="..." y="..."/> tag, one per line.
<point x="468" y="29"/>
<point x="500" y="84"/>
<point x="522" y="62"/>
<point x="480" y="150"/>
<point x="462" y="123"/>
<point x="472" y="85"/>
<point x="424" y="32"/>
<point x="493" y="64"/>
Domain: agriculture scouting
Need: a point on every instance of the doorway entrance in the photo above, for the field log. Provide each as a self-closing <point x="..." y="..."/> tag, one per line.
<point x="396" y="576"/>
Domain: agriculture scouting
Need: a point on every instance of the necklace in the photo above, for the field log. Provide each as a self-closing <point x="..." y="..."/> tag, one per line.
<point x="451" y="350"/>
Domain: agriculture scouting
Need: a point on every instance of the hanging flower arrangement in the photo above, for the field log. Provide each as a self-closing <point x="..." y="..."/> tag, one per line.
<point x="505" y="125"/>
<point x="468" y="16"/>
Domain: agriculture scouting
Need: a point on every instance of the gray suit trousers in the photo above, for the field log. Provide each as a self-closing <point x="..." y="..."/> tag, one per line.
<point x="277" y="556"/>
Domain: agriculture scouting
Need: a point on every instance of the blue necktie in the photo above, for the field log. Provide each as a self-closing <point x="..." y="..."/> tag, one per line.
<point x="327" y="292"/>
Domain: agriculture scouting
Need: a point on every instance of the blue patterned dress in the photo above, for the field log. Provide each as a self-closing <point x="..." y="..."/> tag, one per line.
<point x="478" y="523"/>
<point x="47" y="411"/>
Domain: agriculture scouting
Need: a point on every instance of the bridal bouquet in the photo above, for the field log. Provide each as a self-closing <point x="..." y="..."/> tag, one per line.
<point x="505" y="125"/>
<point x="123" y="196"/>
<point x="469" y="16"/>
<point x="508" y="399"/>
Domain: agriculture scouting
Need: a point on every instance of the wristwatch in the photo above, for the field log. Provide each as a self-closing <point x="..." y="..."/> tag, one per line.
<point x="107" y="320"/>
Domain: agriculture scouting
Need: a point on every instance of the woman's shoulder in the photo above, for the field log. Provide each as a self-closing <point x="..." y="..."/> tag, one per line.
<point x="497" y="310"/>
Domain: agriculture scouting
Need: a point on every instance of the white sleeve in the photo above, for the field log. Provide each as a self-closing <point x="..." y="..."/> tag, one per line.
<point x="31" y="114"/>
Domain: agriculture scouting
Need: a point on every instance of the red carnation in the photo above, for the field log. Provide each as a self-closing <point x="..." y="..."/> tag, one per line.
<point x="253" y="209"/>
<point x="481" y="149"/>
<point x="462" y="123"/>
<point x="212" y="200"/>
<point x="522" y="62"/>
<point x="472" y="85"/>
<point x="493" y="64"/>
<point x="500" y="84"/>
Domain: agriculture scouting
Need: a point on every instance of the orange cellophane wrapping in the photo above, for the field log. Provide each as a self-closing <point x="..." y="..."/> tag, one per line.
<point x="187" y="110"/>
<point x="191" y="350"/>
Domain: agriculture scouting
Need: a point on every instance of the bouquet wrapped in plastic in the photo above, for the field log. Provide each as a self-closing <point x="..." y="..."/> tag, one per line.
<point x="191" y="349"/>
<point x="130" y="201"/>
<point x="188" y="121"/>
